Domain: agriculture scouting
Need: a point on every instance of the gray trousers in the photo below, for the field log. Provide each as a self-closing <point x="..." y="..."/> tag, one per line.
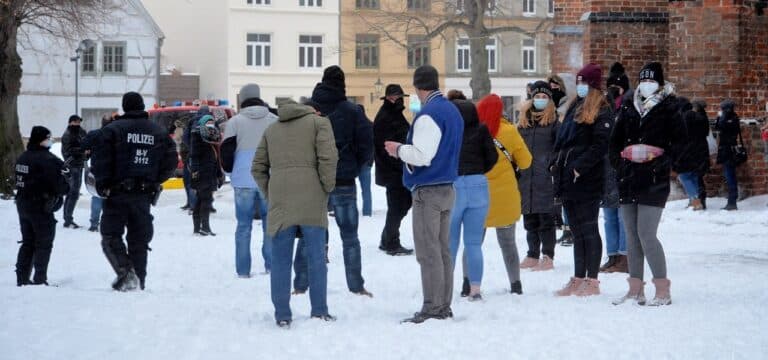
<point x="431" y="237"/>
<point x="506" y="237"/>
<point x="641" y="224"/>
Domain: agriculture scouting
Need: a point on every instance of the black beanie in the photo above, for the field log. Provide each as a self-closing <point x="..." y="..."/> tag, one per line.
<point x="541" y="87"/>
<point x="618" y="77"/>
<point x="74" y="118"/>
<point x="654" y="72"/>
<point x="425" y="78"/>
<point x="39" y="133"/>
<point x="132" y="101"/>
<point x="727" y="105"/>
<point x="334" y="76"/>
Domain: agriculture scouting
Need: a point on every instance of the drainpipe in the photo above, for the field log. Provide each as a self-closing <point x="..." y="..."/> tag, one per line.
<point x="157" y="72"/>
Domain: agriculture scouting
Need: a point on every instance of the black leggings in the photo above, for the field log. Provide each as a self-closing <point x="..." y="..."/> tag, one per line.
<point x="587" y="245"/>
<point x="541" y="234"/>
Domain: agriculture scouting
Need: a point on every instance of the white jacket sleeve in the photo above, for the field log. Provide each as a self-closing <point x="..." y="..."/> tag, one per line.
<point x="426" y="140"/>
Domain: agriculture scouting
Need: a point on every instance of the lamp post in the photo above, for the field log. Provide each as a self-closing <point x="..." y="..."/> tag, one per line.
<point x="82" y="47"/>
<point x="377" y="86"/>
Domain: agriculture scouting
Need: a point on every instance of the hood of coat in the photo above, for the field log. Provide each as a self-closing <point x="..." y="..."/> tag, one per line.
<point x="327" y="96"/>
<point x="292" y="111"/>
<point x="468" y="112"/>
<point x="255" y="112"/>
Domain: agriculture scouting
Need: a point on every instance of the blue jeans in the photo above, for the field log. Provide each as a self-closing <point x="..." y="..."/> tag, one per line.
<point x="615" y="237"/>
<point x="343" y="200"/>
<point x="470" y="209"/>
<point x="191" y="197"/>
<point x="246" y="202"/>
<point x="733" y="184"/>
<point x="75" y="181"/>
<point x="365" y="189"/>
<point x="280" y="279"/>
<point x="96" y="204"/>
<point x="690" y="181"/>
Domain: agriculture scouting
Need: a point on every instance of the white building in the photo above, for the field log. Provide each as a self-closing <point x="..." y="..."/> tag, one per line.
<point x="282" y="45"/>
<point x="124" y="57"/>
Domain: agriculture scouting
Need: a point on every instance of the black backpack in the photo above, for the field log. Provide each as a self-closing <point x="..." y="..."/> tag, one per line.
<point x="228" y="148"/>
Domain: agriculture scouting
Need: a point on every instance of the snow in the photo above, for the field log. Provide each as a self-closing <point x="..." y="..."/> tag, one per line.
<point x="196" y="308"/>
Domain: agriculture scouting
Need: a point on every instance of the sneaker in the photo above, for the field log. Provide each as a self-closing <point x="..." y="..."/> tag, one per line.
<point x="571" y="287"/>
<point x="544" y="264"/>
<point x="284" y="324"/>
<point x="517" y="288"/>
<point x="326" y="317"/>
<point x="71" y="225"/>
<point x="399" y="251"/>
<point x="568" y="241"/>
<point x="200" y="233"/>
<point x="185" y="207"/>
<point x="363" y="292"/>
<point x="589" y="287"/>
<point x="207" y="232"/>
<point x="93" y="228"/>
<point x="475" y="297"/>
<point x="529" y="262"/>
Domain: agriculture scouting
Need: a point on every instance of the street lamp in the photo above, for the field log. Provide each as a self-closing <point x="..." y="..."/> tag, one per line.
<point x="82" y="47"/>
<point x="377" y="86"/>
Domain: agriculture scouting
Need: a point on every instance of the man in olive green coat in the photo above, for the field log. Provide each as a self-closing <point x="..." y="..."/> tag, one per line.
<point x="295" y="166"/>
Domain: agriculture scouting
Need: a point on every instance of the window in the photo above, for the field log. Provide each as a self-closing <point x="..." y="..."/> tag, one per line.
<point x="259" y="48"/>
<point x="259" y="2"/>
<point x="367" y="4"/>
<point x="510" y="108"/>
<point x="310" y="3"/>
<point x="92" y="117"/>
<point x="114" y="58"/>
<point x="464" y="59"/>
<point x="310" y="51"/>
<point x="460" y="6"/>
<point x="367" y="51"/>
<point x="418" y="51"/>
<point x="418" y="5"/>
<point x="550" y="7"/>
<point x="529" y="55"/>
<point x="529" y="7"/>
<point x="88" y="59"/>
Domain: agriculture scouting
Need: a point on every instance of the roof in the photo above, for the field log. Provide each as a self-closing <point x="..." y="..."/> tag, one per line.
<point x="143" y="11"/>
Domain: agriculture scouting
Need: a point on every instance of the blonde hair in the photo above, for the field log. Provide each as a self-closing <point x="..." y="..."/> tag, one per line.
<point x="544" y="117"/>
<point x="590" y="108"/>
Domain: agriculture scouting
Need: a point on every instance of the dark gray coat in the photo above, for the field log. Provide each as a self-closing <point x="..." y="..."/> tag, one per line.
<point x="536" y="187"/>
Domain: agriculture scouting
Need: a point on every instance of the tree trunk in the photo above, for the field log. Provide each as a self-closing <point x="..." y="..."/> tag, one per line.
<point x="481" y="82"/>
<point x="10" y="85"/>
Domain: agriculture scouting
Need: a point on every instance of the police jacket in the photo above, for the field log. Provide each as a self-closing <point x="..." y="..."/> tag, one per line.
<point x="136" y="155"/>
<point x="72" y="149"/>
<point x="39" y="178"/>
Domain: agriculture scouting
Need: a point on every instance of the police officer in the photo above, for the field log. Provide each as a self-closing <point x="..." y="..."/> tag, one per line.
<point x="41" y="184"/>
<point x="135" y="157"/>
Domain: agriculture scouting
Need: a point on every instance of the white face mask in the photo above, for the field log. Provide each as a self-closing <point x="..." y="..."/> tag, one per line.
<point x="210" y="126"/>
<point x="47" y="143"/>
<point x="648" y="88"/>
<point x="415" y="104"/>
<point x="719" y="113"/>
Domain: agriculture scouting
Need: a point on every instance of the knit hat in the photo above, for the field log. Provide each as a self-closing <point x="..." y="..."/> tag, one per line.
<point x="727" y="105"/>
<point x="39" y="133"/>
<point x="334" y="77"/>
<point x="132" y="101"/>
<point x="74" y="118"/>
<point x="592" y="74"/>
<point x="489" y="110"/>
<point x="653" y="71"/>
<point x="618" y="77"/>
<point x="541" y="87"/>
<point x="249" y="91"/>
<point x="204" y="119"/>
<point x="426" y="78"/>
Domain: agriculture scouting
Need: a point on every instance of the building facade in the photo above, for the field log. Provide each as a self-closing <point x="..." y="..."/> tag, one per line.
<point x="124" y="56"/>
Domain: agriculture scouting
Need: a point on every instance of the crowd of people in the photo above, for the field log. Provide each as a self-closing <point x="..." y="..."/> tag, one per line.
<point x="460" y="167"/>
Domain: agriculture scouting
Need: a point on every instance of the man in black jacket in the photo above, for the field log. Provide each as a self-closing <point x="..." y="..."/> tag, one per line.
<point x="40" y="185"/>
<point x="354" y="142"/>
<point x="74" y="156"/>
<point x="135" y="157"/>
<point x="390" y="125"/>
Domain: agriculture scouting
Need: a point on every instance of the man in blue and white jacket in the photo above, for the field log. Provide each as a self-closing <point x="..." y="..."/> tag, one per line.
<point x="248" y="126"/>
<point x="431" y="159"/>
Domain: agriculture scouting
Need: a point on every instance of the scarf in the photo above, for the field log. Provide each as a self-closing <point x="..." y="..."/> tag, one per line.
<point x="644" y="106"/>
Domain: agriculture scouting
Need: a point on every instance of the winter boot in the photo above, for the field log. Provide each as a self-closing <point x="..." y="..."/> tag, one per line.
<point x="465" y="287"/>
<point x="697" y="205"/>
<point x="635" y="292"/>
<point x="662" y="296"/>
<point x="529" y="262"/>
<point x="589" y="287"/>
<point x="196" y="223"/>
<point x="205" y="225"/>
<point x="517" y="288"/>
<point x="567" y="238"/>
<point x="22" y="277"/>
<point x="621" y="265"/>
<point x="608" y="264"/>
<point x="544" y="264"/>
<point x="730" y="206"/>
<point x="571" y="287"/>
<point x="126" y="281"/>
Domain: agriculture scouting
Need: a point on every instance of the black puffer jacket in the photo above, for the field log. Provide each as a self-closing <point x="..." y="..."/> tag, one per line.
<point x="581" y="147"/>
<point x="204" y="163"/>
<point x="536" y="188"/>
<point x="72" y="149"/>
<point x="389" y="125"/>
<point x="695" y="157"/>
<point x="478" y="153"/>
<point x="729" y="126"/>
<point x="647" y="183"/>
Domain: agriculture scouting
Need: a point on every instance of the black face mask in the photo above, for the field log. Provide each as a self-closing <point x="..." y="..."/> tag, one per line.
<point x="557" y="95"/>
<point x="398" y="105"/>
<point x="614" y="92"/>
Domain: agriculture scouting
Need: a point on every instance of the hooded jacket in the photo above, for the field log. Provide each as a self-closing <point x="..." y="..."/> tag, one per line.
<point x="295" y="167"/>
<point x="478" y="153"/>
<point x="249" y="126"/>
<point x="389" y="125"/>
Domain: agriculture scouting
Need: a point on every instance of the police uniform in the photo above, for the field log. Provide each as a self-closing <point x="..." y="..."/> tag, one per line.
<point x="134" y="158"/>
<point x="40" y="185"/>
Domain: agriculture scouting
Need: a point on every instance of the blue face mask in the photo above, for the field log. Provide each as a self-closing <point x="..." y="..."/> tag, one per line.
<point x="540" y="104"/>
<point x="582" y="90"/>
<point x="415" y="105"/>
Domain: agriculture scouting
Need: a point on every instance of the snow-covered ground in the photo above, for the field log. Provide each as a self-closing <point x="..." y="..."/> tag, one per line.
<point x="196" y="308"/>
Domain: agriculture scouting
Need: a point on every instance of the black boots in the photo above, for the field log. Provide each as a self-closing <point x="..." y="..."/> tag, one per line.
<point x="731" y="206"/>
<point x="567" y="238"/>
<point x="201" y="223"/>
<point x="517" y="288"/>
<point x="465" y="288"/>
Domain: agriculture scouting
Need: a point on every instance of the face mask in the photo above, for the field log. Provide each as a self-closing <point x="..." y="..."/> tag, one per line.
<point x="47" y="144"/>
<point x="614" y="92"/>
<point x="719" y="113"/>
<point x="210" y="126"/>
<point x="415" y="105"/>
<point x="648" y="88"/>
<point x="557" y="95"/>
<point x="540" y="104"/>
<point x="400" y="102"/>
<point x="582" y="90"/>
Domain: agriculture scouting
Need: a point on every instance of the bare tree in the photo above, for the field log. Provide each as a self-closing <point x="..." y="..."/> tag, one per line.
<point x="64" y="20"/>
<point x="477" y="19"/>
